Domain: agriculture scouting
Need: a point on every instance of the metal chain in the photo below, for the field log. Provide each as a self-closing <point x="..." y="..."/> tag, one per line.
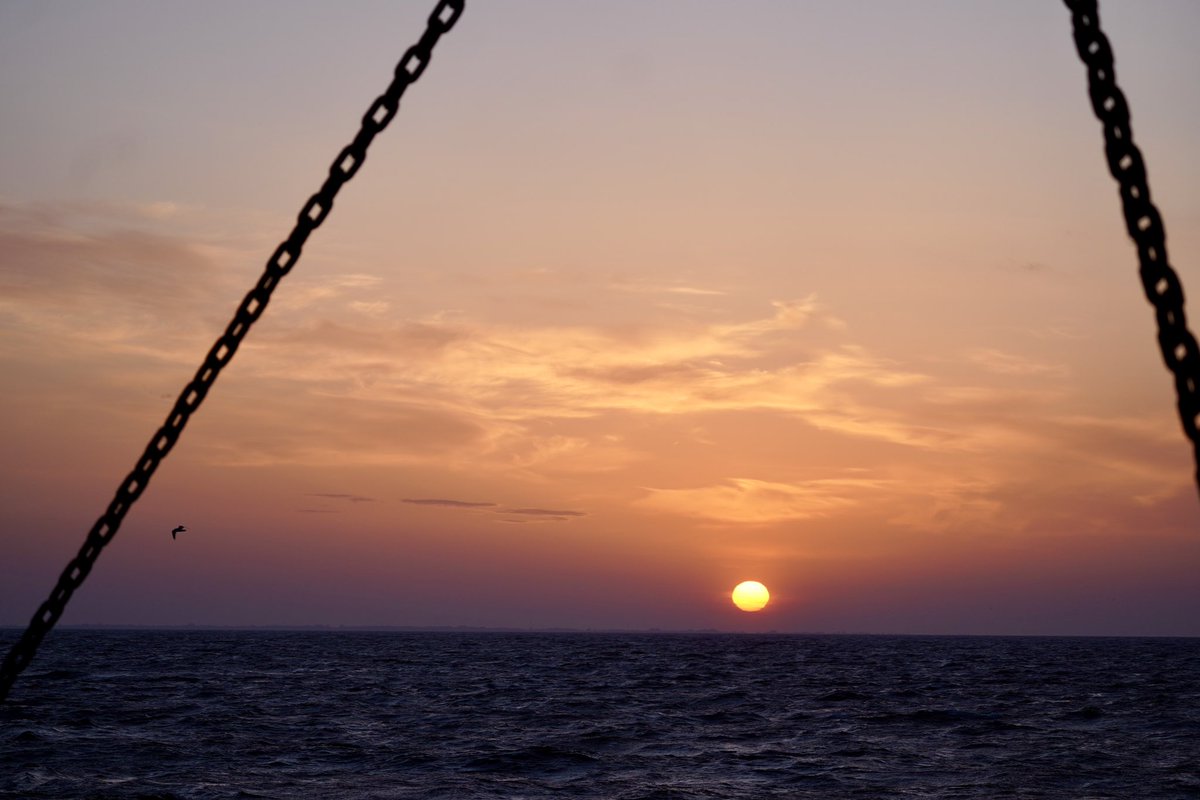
<point x="1142" y="220"/>
<point x="415" y="59"/>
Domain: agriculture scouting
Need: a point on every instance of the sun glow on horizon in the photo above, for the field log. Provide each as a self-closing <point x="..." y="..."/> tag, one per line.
<point x="751" y="596"/>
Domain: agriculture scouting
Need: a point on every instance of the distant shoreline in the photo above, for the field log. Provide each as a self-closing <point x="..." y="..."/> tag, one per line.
<point x="576" y="631"/>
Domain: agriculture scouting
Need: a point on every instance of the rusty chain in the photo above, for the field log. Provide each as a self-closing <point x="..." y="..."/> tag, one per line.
<point x="347" y="163"/>
<point x="1142" y="220"/>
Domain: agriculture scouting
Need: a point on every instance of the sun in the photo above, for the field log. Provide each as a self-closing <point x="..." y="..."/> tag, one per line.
<point x="750" y="596"/>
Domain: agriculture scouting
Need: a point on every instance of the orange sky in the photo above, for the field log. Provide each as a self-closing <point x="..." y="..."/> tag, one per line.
<point x="631" y="303"/>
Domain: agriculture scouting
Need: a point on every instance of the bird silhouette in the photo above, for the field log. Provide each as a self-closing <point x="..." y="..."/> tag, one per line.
<point x="178" y="529"/>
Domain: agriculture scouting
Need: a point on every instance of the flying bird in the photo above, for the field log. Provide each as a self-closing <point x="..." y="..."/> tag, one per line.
<point x="178" y="529"/>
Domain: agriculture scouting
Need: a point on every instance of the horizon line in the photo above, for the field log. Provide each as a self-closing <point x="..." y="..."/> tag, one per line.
<point x="315" y="628"/>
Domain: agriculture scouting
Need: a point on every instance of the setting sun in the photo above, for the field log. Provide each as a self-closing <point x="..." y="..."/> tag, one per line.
<point x="750" y="596"/>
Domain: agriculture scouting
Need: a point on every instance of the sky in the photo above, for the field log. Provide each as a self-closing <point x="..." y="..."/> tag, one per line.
<point x="632" y="302"/>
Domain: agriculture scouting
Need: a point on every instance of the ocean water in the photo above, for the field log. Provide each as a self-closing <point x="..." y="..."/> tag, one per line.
<point x="225" y="714"/>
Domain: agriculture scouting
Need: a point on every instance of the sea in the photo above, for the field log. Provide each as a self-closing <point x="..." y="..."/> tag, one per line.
<point x="357" y="714"/>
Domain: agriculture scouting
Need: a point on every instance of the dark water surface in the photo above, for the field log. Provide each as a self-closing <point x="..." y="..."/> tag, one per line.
<point x="204" y="714"/>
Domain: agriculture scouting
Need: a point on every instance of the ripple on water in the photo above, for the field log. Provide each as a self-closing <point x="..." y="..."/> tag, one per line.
<point x="218" y="714"/>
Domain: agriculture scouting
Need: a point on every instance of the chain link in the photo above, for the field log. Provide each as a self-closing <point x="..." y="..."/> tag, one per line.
<point x="1142" y="220"/>
<point x="348" y="162"/>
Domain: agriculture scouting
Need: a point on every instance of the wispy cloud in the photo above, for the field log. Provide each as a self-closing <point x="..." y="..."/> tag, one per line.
<point x="99" y="280"/>
<point x="448" y="503"/>
<point x="339" y="497"/>
<point x="748" y="500"/>
<point x="65" y="268"/>
<point x="503" y="513"/>
<point x="508" y="375"/>
<point x="543" y="512"/>
<point x="651" y="288"/>
<point x="353" y="498"/>
<point x="1004" y="363"/>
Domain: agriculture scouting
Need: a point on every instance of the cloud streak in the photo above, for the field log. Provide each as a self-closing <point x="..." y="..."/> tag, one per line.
<point x="543" y="512"/>
<point x="509" y="515"/>
<point x="352" y="498"/>
<point x="448" y="503"/>
<point x="752" y="501"/>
